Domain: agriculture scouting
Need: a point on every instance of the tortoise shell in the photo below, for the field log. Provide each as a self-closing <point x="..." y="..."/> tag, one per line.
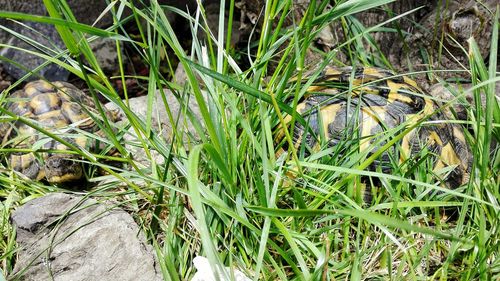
<point x="59" y="108"/>
<point x="373" y="106"/>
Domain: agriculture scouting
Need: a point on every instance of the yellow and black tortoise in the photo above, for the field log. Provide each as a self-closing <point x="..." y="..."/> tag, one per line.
<point x="61" y="109"/>
<point x="372" y="105"/>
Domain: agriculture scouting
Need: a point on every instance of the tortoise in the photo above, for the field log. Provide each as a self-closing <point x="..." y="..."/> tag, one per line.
<point x="61" y="109"/>
<point x="373" y="107"/>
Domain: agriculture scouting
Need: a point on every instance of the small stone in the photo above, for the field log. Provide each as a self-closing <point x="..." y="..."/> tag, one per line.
<point x="444" y="94"/>
<point x="105" y="51"/>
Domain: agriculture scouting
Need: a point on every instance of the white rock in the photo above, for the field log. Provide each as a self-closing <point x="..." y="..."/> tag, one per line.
<point x="205" y="272"/>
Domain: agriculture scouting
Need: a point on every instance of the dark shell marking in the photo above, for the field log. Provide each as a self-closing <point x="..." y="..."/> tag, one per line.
<point x="56" y="107"/>
<point x="342" y="106"/>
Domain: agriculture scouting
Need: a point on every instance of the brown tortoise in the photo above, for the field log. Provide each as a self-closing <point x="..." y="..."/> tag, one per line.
<point x="60" y="109"/>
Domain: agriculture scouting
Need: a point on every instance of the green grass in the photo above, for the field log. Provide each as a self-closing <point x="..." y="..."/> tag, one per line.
<point x="227" y="196"/>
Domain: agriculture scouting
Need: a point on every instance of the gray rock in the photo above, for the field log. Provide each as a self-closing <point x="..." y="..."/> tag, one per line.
<point x="23" y="62"/>
<point x="105" y="51"/>
<point x="46" y="35"/>
<point x="160" y="121"/>
<point x="439" y="39"/>
<point x="66" y="237"/>
<point x="444" y="94"/>
<point x="212" y="9"/>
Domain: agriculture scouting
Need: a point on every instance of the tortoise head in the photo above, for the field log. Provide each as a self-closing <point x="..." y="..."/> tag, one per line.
<point x="62" y="169"/>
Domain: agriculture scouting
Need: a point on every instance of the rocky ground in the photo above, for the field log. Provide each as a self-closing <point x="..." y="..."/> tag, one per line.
<point x="430" y="27"/>
<point x="460" y="20"/>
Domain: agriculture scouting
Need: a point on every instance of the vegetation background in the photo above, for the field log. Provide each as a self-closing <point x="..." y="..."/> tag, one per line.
<point x="221" y="190"/>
